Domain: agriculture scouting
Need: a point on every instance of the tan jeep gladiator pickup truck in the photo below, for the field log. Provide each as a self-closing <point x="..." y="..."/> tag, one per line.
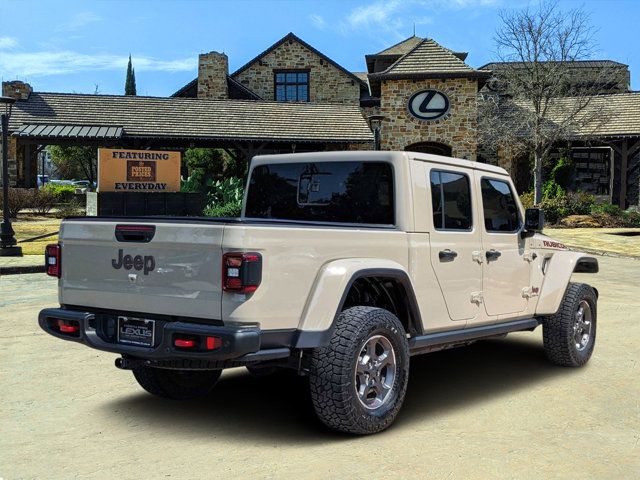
<point x="342" y="266"/>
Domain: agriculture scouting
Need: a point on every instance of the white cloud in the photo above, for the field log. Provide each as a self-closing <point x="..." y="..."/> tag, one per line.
<point x="378" y="13"/>
<point x="318" y="21"/>
<point x="398" y="16"/>
<point x="78" y="21"/>
<point x="35" y="64"/>
<point x="8" y="42"/>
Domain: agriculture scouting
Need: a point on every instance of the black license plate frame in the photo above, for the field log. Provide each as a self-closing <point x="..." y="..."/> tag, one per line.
<point x="136" y="331"/>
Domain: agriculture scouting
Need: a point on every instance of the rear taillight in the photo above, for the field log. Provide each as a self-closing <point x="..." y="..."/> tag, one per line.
<point x="52" y="259"/>
<point x="241" y="272"/>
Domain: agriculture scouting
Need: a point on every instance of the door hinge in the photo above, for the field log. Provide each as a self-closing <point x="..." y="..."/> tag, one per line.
<point x="476" y="256"/>
<point x="528" y="292"/>
<point x="530" y="256"/>
<point x="476" y="297"/>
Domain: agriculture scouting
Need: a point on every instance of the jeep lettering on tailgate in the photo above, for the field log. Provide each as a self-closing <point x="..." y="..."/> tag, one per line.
<point x="146" y="263"/>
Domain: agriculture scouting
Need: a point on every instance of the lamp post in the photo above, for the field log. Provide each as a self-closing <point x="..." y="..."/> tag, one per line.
<point x="376" y="124"/>
<point x="8" y="242"/>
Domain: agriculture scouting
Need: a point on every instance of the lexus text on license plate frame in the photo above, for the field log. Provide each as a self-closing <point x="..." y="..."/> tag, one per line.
<point x="136" y="331"/>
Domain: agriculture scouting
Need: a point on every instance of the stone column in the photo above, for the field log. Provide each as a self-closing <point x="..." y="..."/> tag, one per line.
<point x="213" y="69"/>
<point x="20" y="91"/>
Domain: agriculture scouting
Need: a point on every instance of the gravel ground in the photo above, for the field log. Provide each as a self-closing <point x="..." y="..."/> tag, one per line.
<point x="495" y="409"/>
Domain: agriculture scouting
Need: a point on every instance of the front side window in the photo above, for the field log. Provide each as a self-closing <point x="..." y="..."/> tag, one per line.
<point x="499" y="206"/>
<point x="292" y="86"/>
<point x="346" y="192"/>
<point x="450" y="200"/>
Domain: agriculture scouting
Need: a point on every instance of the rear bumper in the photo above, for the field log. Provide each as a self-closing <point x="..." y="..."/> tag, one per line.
<point x="238" y="345"/>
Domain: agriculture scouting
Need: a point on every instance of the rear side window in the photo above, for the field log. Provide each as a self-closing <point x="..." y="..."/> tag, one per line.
<point x="451" y="200"/>
<point x="345" y="192"/>
<point x="499" y="206"/>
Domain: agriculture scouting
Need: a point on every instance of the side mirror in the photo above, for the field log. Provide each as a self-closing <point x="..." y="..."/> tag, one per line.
<point x="533" y="220"/>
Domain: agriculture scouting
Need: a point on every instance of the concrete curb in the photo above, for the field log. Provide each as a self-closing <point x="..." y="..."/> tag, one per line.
<point x="17" y="270"/>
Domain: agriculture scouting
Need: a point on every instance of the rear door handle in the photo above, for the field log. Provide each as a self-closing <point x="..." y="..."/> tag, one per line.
<point x="492" y="255"/>
<point x="447" y="255"/>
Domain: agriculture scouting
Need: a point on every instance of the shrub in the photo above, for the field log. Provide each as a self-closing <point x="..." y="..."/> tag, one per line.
<point x="224" y="198"/>
<point x="44" y="201"/>
<point x="527" y="199"/>
<point x="62" y="193"/>
<point x="19" y="199"/>
<point x="607" y="208"/>
<point x="70" y="209"/>
<point x="232" y="209"/>
<point x="551" y="189"/>
<point x="225" y="191"/>
<point x="632" y="218"/>
<point x="557" y="207"/>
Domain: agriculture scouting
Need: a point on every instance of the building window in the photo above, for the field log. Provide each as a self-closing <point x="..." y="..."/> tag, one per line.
<point x="292" y="86"/>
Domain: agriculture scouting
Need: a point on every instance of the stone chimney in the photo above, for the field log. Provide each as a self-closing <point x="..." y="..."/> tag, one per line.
<point x="16" y="89"/>
<point x="213" y="68"/>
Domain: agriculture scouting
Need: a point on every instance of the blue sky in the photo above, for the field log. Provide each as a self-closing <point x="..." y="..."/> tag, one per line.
<point x="72" y="45"/>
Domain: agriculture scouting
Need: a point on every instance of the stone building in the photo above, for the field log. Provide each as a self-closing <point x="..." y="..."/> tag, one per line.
<point x="416" y="95"/>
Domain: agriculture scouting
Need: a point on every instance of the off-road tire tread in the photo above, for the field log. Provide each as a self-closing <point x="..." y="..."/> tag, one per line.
<point x="332" y="391"/>
<point x="158" y="382"/>
<point x="557" y="329"/>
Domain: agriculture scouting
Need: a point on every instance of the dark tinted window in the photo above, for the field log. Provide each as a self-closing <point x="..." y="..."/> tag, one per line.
<point x="292" y="86"/>
<point x="499" y="205"/>
<point x="451" y="200"/>
<point x="348" y="192"/>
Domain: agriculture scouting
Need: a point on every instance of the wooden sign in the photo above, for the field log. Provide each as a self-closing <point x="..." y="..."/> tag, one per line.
<point x="138" y="170"/>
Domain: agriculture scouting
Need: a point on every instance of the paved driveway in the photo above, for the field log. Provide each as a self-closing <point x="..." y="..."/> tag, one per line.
<point x="495" y="409"/>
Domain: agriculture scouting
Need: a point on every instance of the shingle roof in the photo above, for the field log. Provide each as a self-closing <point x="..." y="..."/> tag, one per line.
<point x="361" y="75"/>
<point x="621" y="112"/>
<point x="402" y="47"/>
<point x="237" y="91"/>
<point x="574" y="63"/>
<point x="173" y="117"/>
<point x="428" y="58"/>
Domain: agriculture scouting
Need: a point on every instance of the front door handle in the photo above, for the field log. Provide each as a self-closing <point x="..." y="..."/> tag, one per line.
<point x="447" y="255"/>
<point x="492" y="255"/>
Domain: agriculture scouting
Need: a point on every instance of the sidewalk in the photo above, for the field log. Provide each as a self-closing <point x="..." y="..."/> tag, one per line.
<point x="25" y="264"/>
<point x="615" y="242"/>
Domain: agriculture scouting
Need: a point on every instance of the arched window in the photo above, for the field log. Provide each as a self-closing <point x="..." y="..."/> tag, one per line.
<point x="434" y="148"/>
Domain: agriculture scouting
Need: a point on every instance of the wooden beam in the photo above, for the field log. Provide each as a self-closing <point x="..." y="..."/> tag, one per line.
<point x="634" y="148"/>
<point x="624" y="162"/>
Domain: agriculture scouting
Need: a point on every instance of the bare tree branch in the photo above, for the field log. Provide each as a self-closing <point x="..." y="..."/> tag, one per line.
<point x="541" y="98"/>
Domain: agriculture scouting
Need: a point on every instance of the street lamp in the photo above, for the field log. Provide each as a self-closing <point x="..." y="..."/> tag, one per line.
<point x="376" y="124"/>
<point x="8" y="242"/>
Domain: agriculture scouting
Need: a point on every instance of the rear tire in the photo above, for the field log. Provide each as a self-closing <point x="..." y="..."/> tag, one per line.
<point x="176" y="384"/>
<point x="569" y="336"/>
<point x="358" y="382"/>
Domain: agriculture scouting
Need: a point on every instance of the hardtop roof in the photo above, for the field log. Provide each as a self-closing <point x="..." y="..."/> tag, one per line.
<point x="362" y="155"/>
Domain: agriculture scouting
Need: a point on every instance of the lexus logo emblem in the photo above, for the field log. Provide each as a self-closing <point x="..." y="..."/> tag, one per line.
<point x="429" y="105"/>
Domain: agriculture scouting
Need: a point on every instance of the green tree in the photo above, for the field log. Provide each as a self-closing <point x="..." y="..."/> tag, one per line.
<point x="74" y="162"/>
<point x="206" y="165"/>
<point x="130" y="82"/>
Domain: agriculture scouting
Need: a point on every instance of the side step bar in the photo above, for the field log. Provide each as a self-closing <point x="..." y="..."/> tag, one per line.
<point x="450" y="337"/>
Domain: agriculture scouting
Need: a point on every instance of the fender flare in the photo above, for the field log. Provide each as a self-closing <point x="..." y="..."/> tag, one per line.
<point x="330" y="291"/>
<point x="557" y="276"/>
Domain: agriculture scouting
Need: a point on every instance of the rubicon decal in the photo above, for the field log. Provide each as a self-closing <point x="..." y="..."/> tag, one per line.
<point x="549" y="244"/>
<point x="145" y="263"/>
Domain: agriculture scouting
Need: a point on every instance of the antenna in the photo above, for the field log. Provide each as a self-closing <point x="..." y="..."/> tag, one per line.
<point x="414" y="29"/>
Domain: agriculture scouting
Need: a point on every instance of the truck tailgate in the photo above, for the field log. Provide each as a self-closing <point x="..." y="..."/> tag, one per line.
<point x="176" y="272"/>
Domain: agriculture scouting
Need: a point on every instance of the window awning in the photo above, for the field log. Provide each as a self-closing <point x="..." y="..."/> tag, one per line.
<point x="69" y="131"/>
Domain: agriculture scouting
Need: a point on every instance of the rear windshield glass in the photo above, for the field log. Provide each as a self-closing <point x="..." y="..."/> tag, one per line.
<point x="346" y="192"/>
